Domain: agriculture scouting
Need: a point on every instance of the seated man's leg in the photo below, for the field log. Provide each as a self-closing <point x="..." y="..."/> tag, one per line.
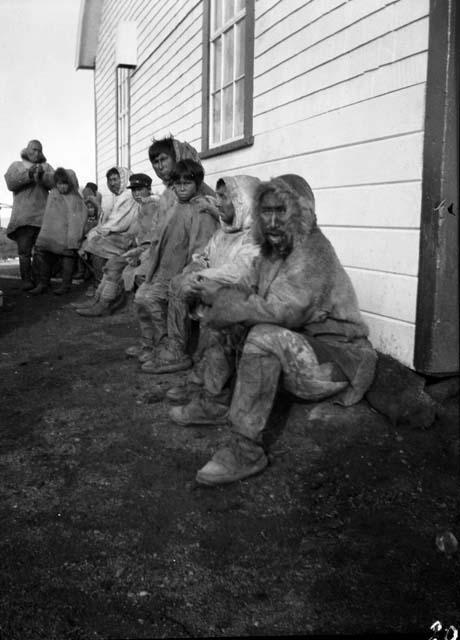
<point x="110" y="294"/>
<point x="209" y="404"/>
<point x="151" y="303"/>
<point x="173" y="357"/>
<point x="268" y="351"/>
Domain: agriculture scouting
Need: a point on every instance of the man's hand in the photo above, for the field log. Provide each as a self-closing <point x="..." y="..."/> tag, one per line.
<point x="205" y="289"/>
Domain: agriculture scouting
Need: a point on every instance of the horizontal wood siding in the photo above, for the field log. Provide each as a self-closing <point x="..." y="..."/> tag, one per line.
<point x="165" y="86"/>
<point x="339" y="97"/>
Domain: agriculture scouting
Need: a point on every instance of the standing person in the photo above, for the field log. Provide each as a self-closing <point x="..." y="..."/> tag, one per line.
<point x="30" y="180"/>
<point x="111" y="292"/>
<point x="61" y="232"/>
<point x="111" y="236"/>
<point x="305" y="328"/>
<point x="185" y="228"/>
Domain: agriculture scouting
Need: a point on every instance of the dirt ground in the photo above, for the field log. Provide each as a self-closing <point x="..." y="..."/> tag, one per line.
<point x="105" y="534"/>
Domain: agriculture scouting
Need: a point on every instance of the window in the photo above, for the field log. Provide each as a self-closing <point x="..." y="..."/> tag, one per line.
<point x="228" y="61"/>
<point x="123" y="108"/>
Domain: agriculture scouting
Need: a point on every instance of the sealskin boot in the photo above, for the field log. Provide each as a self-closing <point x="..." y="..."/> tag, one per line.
<point x="200" y="410"/>
<point x="101" y="308"/>
<point x="242" y="459"/>
<point x="39" y="289"/>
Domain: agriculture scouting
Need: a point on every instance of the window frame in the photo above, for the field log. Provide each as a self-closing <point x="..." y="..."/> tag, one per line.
<point x="247" y="139"/>
<point x="127" y="144"/>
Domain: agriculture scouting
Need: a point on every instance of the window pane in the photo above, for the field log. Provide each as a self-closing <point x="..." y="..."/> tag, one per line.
<point x="228" y="113"/>
<point x="228" y="56"/>
<point x="240" y="5"/>
<point x="217" y="4"/>
<point x="239" y="107"/>
<point x="229" y="8"/>
<point x="217" y="49"/>
<point x="240" y="48"/>
<point x="216" y="117"/>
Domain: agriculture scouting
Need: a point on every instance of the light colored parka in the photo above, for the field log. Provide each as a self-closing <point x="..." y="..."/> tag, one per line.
<point x="118" y="215"/>
<point x="231" y="249"/>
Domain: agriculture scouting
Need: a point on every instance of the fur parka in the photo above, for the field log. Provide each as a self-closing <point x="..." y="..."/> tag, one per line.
<point x="29" y="196"/>
<point x="306" y="291"/>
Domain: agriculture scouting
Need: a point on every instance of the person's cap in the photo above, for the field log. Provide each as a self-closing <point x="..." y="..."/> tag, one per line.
<point x="139" y="180"/>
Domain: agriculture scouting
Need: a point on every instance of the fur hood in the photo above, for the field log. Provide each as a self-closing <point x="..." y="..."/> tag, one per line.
<point x="298" y="197"/>
<point x="124" y="177"/>
<point x="68" y="175"/>
<point x="25" y="156"/>
<point x="242" y="190"/>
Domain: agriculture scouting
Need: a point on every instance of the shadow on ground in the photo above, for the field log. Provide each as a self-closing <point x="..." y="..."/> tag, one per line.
<point x="105" y="534"/>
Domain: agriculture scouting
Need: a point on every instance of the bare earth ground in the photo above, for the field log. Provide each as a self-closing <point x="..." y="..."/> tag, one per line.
<point x="105" y="534"/>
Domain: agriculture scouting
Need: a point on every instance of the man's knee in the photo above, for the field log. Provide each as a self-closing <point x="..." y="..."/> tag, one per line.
<point x="262" y="337"/>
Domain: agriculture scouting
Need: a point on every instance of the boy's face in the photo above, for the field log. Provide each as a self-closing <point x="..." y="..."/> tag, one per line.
<point x="91" y="209"/>
<point x="163" y="165"/>
<point x="62" y="187"/>
<point x="114" y="183"/>
<point x="225" y="204"/>
<point x="185" y="189"/>
<point x="139" y="193"/>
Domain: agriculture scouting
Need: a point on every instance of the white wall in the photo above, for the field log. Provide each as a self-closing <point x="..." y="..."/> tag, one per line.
<point x="339" y="94"/>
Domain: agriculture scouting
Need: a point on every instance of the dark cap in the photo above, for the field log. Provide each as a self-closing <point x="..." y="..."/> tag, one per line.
<point x="139" y="180"/>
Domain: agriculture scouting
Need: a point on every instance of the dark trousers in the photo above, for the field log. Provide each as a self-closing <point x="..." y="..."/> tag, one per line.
<point x="25" y="238"/>
<point x="46" y="260"/>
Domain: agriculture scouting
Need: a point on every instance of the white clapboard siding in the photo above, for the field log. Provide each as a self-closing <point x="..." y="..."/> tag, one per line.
<point x="390" y="160"/>
<point x="394" y="337"/>
<point x="348" y="26"/>
<point x="389" y="295"/>
<point x="378" y="205"/>
<point x="413" y="38"/>
<point x="339" y="97"/>
<point x="374" y="83"/>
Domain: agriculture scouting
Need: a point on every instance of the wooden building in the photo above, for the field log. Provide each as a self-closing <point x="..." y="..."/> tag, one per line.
<point x="357" y="96"/>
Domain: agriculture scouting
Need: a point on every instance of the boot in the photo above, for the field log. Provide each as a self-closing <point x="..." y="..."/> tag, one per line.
<point x="171" y="358"/>
<point x="182" y="394"/>
<point x="241" y="459"/>
<point x="68" y="264"/>
<point x="138" y="351"/>
<point x="39" y="289"/>
<point x="200" y="410"/>
<point x="101" y="308"/>
<point x="25" y="270"/>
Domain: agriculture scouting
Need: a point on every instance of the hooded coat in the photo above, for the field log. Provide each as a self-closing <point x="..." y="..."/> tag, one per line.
<point x="64" y="219"/>
<point x="118" y="215"/>
<point x="29" y="197"/>
<point x="182" y="229"/>
<point x="307" y="291"/>
<point x="231" y="250"/>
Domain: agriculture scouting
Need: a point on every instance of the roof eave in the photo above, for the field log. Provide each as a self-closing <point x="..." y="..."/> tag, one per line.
<point x="88" y="30"/>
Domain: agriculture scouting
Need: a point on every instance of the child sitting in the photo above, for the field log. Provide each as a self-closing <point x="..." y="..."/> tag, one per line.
<point x="110" y="294"/>
<point x="61" y="232"/>
<point x="184" y="229"/>
<point x="84" y="267"/>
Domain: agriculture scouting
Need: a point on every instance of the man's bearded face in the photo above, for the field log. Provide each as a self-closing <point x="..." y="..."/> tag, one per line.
<point x="275" y="223"/>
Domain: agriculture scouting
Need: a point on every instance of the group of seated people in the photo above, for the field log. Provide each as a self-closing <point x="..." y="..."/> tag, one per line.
<point x="247" y="266"/>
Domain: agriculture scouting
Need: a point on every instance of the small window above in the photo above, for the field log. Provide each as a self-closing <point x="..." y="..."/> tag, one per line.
<point x="228" y="63"/>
